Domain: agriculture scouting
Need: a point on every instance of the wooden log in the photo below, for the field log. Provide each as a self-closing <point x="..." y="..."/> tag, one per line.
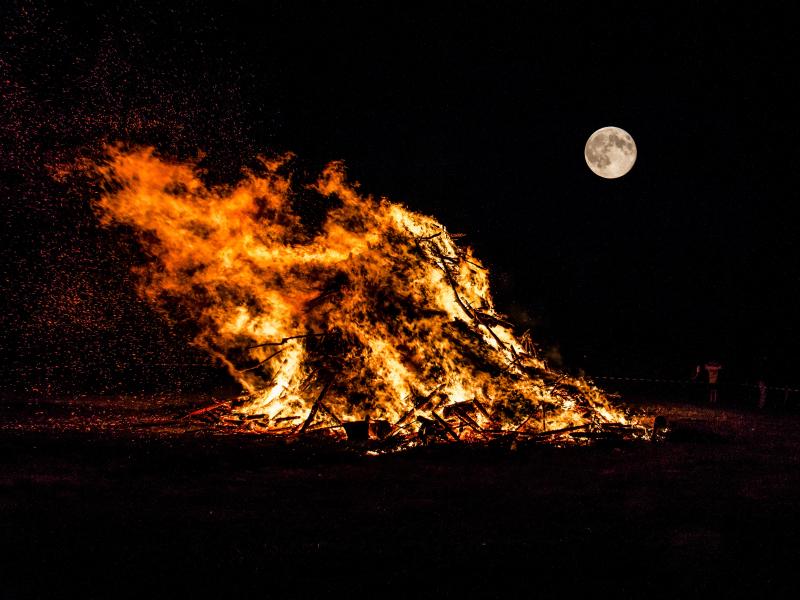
<point x="479" y="405"/>
<point x="315" y="407"/>
<point x="462" y="414"/>
<point x="206" y="409"/>
<point x="446" y="426"/>
<point x="521" y="425"/>
<point x="289" y="418"/>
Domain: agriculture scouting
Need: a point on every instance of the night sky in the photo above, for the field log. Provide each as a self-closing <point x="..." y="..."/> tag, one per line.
<point x="475" y="115"/>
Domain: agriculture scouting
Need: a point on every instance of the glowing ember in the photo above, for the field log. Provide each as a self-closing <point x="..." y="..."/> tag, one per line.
<point x="362" y="310"/>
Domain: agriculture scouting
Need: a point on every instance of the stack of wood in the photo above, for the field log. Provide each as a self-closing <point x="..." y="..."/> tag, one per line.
<point x="433" y="420"/>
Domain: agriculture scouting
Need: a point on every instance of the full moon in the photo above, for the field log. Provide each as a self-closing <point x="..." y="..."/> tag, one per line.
<point x="610" y="152"/>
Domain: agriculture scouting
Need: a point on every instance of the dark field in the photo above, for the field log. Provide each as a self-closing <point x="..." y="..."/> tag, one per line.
<point x="113" y="497"/>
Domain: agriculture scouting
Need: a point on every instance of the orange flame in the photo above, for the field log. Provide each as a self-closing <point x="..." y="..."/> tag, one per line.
<point x="373" y="311"/>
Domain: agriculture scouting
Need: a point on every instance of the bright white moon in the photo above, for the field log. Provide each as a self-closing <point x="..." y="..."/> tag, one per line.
<point x="610" y="152"/>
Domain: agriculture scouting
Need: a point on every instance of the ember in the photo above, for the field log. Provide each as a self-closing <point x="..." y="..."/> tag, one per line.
<point x="366" y="320"/>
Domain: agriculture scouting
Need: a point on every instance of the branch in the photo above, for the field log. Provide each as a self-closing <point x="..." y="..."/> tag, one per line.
<point x="286" y="339"/>
<point x="274" y="354"/>
<point x="312" y="413"/>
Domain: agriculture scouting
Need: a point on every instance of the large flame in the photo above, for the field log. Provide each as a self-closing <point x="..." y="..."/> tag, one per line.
<point x="361" y="309"/>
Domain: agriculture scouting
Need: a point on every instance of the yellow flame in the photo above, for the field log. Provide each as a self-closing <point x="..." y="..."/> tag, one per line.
<point x="375" y="304"/>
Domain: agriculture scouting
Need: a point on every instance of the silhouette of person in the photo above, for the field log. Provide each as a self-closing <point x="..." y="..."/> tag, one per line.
<point x="712" y="369"/>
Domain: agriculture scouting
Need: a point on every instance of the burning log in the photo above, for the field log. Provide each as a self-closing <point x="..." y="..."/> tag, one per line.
<point x="315" y="407"/>
<point x="207" y="409"/>
<point x="481" y="408"/>
<point x="446" y="426"/>
<point x="262" y="362"/>
<point x="469" y="421"/>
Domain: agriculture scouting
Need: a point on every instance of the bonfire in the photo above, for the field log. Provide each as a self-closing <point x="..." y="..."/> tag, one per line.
<point x="336" y="311"/>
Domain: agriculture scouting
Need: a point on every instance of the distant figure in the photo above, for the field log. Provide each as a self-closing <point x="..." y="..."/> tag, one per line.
<point x="698" y="378"/>
<point x="762" y="393"/>
<point x="712" y="369"/>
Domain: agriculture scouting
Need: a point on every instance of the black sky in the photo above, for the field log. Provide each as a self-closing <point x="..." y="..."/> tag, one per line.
<point x="475" y="114"/>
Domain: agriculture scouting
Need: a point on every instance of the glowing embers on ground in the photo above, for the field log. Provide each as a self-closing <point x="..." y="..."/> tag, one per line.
<point x="332" y="307"/>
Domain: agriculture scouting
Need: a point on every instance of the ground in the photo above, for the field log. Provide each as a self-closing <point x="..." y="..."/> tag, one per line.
<point x="114" y="497"/>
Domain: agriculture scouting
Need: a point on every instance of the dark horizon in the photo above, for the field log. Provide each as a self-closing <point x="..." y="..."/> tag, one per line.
<point x="476" y="117"/>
